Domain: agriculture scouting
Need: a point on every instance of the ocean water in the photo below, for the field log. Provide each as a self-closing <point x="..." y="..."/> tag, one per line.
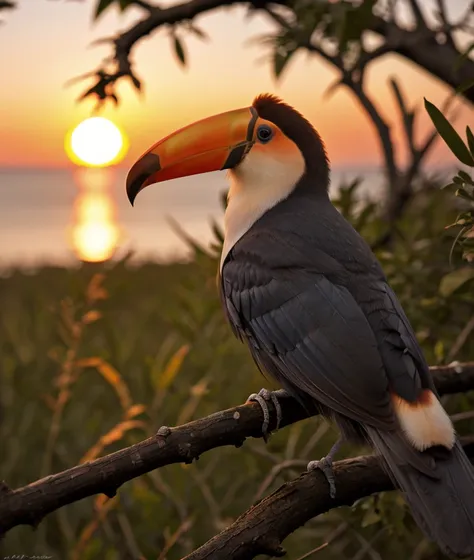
<point x="50" y="216"/>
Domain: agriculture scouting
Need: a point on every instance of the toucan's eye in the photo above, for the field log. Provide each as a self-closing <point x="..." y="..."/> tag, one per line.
<point x="264" y="133"/>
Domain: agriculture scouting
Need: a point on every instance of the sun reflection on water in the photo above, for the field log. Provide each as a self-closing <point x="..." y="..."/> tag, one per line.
<point x="95" y="233"/>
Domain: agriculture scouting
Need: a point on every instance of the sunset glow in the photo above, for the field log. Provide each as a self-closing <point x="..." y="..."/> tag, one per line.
<point x="95" y="233"/>
<point x="175" y="97"/>
<point x="95" y="142"/>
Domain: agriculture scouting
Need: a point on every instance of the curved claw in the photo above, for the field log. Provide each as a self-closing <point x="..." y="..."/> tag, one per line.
<point x="263" y="397"/>
<point x="266" y="414"/>
<point x="325" y="465"/>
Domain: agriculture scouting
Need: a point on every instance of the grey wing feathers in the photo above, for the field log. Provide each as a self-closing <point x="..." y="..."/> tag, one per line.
<point x="402" y="357"/>
<point x="309" y="332"/>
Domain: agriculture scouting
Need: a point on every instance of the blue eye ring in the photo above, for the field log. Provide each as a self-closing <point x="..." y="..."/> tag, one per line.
<point x="264" y="133"/>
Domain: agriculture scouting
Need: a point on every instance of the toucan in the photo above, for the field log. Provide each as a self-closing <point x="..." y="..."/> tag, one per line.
<point x="307" y="295"/>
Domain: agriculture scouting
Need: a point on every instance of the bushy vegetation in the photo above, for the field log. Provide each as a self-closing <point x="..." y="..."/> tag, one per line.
<point x="98" y="357"/>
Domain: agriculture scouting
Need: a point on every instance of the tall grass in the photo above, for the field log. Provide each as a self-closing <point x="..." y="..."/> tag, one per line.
<point x="99" y="357"/>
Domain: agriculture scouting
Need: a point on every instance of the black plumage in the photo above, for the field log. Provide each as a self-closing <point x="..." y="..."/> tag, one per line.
<point x="305" y="292"/>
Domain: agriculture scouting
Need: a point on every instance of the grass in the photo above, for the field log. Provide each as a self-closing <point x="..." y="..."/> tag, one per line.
<point x="98" y="357"/>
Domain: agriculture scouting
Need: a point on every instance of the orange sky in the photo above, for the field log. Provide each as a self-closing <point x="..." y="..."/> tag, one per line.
<point x="47" y="43"/>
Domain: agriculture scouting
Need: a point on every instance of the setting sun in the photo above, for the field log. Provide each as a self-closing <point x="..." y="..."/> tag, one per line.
<point x="96" y="142"/>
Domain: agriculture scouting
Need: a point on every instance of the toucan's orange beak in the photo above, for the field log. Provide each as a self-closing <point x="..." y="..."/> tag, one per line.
<point x="218" y="142"/>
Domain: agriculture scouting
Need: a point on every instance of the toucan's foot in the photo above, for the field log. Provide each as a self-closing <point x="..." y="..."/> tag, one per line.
<point x="263" y="397"/>
<point x="326" y="466"/>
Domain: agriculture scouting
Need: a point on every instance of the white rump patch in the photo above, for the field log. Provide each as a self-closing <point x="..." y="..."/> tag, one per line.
<point x="425" y="423"/>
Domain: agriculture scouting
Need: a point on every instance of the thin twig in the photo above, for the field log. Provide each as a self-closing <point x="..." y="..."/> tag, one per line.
<point x="311" y="552"/>
<point x="183" y="528"/>
<point x="275" y="471"/>
<point x="461" y="340"/>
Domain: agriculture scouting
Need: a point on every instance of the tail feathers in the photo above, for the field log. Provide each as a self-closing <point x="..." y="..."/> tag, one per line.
<point x="438" y="485"/>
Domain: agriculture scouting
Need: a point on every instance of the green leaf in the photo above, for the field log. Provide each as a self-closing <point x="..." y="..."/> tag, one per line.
<point x="463" y="193"/>
<point x="465" y="177"/>
<point x="198" y="32"/>
<point x="102" y="5"/>
<point x="468" y="256"/>
<point x="124" y="4"/>
<point x="448" y="134"/>
<point x="370" y="518"/>
<point x="465" y="86"/>
<point x="179" y="50"/>
<point x="470" y="140"/>
<point x="6" y="4"/>
<point x="280" y="60"/>
<point x="454" y="280"/>
<point x="465" y="55"/>
<point x="217" y="231"/>
<point x="136" y="82"/>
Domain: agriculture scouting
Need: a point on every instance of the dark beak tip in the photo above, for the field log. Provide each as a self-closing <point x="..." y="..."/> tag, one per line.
<point x="140" y="174"/>
<point x="131" y="192"/>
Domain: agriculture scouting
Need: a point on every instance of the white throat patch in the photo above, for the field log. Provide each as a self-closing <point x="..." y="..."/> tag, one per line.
<point x="256" y="185"/>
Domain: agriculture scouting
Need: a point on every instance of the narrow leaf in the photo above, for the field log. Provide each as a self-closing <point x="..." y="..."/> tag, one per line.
<point x="465" y="55"/>
<point x="102" y="5"/>
<point x="448" y="134"/>
<point x="454" y="280"/>
<point x="124" y="4"/>
<point x="280" y="61"/>
<point x="113" y="435"/>
<point x="173" y="367"/>
<point x="462" y="193"/>
<point x="136" y="82"/>
<point x="135" y="410"/>
<point x="179" y="50"/>
<point x="465" y="86"/>
<point x="331" y="88"/>
<point x="465" y="177"/>
<point x="470" y="140"/>
<point x="198" y="32"/>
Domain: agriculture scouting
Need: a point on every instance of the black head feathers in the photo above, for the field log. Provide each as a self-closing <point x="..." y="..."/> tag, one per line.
<point x="297" y="128"/>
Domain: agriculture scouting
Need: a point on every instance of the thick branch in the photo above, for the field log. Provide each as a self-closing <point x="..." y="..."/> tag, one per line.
<point x="419" y="46"/>
<point x="422" y="48"/>
<point x="28" y="505"/>
<point x="381" y="127"/>
<point x="262" y="528"/>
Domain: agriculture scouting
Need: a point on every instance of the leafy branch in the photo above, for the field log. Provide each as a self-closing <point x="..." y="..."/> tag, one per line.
<point x="344" y="24"/>
<point x="462" y="182"/>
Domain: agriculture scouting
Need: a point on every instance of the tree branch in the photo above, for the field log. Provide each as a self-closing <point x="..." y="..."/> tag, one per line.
<point x="29" y="504"/>
<point x="157" y="17"/>
<point x="262" y="528"/>
<point x="354" y="81"/>
<point x="420" y="46"/>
